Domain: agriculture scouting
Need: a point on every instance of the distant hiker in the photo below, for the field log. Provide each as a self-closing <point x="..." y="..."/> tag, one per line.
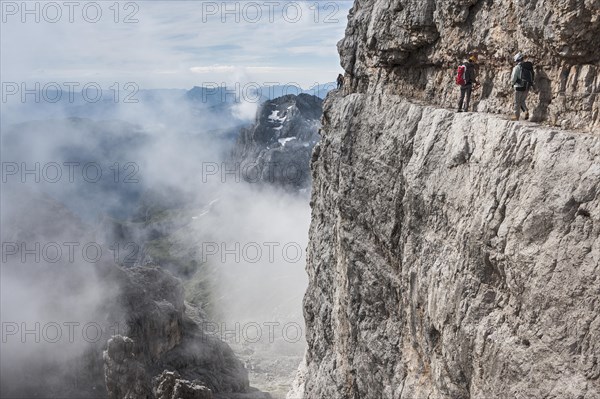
<point x="466" y="78"/>
<point x="340" y="81"/>
<point x="522" y="80"/>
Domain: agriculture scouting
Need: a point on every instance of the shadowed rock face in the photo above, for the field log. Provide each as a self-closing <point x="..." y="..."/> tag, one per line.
<point x="277" y="148"/>
<point x="161" y="335"/>
<point x="412" y="47"/>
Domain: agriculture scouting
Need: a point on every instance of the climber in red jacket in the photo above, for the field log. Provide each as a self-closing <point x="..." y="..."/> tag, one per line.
<point x="466" y="77"/>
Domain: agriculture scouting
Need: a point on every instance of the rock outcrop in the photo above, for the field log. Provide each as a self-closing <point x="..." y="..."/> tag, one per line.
<point x="456" y="255"/>
<point x="277" y="148"/>
<point x="169" y="385"/>
<point x="412" y="48"/>
<point x="162" y="337"/>
<point x="126" y="376"/>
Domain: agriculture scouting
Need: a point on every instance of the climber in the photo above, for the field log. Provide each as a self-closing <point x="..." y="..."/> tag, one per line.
<point x="466" y="78"/>
<point x="522" y="80"/>
<point x="340" y="81"/>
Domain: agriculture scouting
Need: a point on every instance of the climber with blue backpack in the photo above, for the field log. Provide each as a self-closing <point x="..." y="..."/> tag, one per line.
<point x="466" y="78"/>
<point x="522" y="79"/>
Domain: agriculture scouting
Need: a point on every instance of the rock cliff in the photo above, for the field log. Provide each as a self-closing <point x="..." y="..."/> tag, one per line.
<point x="456" y="255"/>
<point x="412" y="48"/>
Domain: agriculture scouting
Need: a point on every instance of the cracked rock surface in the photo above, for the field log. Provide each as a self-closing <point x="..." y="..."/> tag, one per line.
<point x="456" y="255"/>
<point x="451" y="256"/>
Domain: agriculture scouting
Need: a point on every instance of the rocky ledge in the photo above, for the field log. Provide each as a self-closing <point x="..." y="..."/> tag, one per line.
<point x="412" y="48"/>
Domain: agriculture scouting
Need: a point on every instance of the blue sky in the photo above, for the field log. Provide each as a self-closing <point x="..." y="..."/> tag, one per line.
<point x="173" y="44"/>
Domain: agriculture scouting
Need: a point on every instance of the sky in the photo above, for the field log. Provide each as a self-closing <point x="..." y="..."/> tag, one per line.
<point x="172" y="44"/>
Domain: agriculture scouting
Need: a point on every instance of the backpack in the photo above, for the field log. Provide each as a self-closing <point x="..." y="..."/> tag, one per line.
<point x="460" y="75"/>
<point x="527" y="75"/>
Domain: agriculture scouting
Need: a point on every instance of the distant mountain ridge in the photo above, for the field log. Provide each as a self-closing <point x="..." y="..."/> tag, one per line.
<point x="277" y="148"/>
<point x="253" y="93"/>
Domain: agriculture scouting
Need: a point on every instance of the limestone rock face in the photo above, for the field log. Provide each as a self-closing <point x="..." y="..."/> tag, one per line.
<point x="457" y="255"/>
<point x="451" y="256"/>
<point x="412" y="47"/>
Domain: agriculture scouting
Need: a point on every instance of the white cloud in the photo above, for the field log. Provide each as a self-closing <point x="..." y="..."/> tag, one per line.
<point x="245" y="110"/>
<point x="173" y="36"/>
<point x="213" y="69"/>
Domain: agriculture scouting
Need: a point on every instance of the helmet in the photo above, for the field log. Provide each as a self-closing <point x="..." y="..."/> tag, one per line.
<point x="518" y="57"/>
<point x="473" y="58"/>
